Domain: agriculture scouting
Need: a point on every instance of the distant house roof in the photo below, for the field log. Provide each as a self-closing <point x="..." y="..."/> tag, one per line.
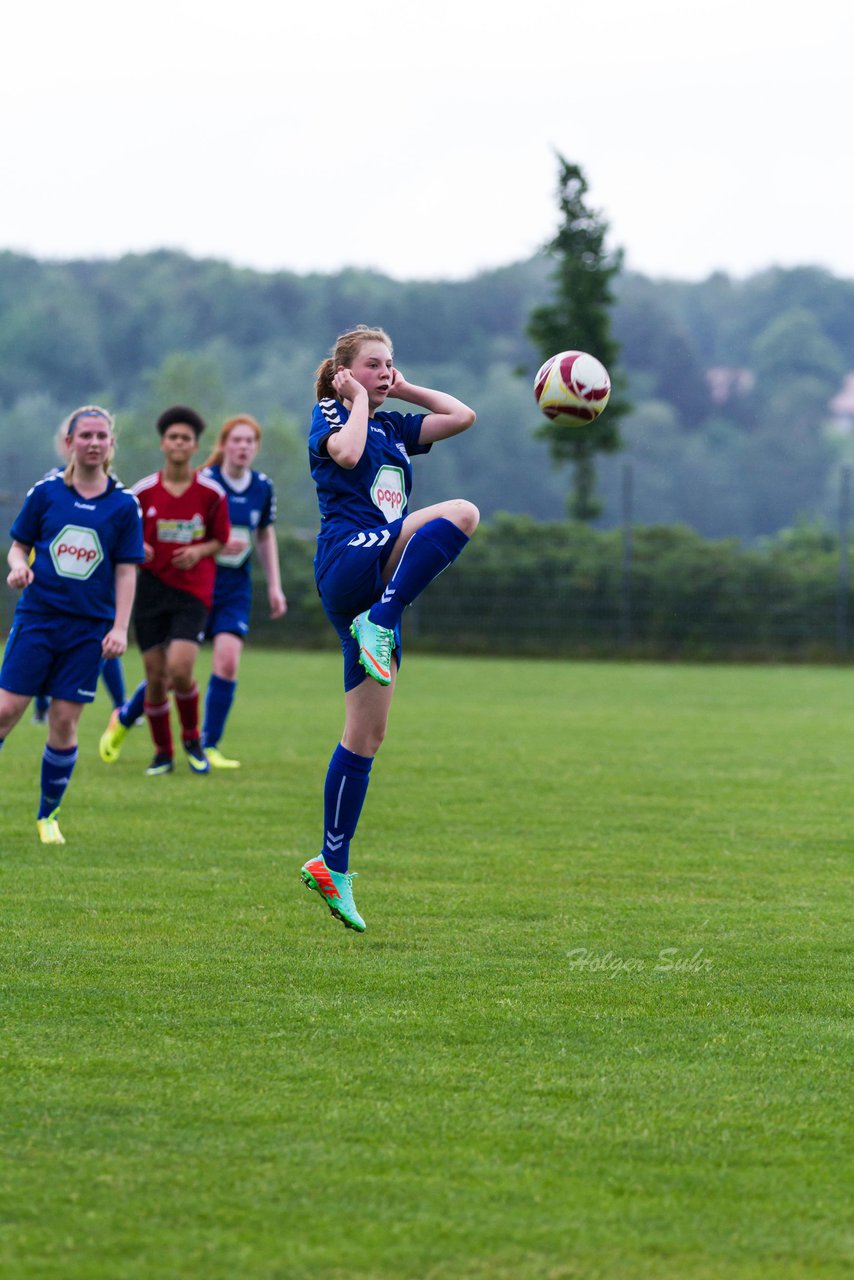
<point x="842" y="403"/>
<point x="724" y="383"/>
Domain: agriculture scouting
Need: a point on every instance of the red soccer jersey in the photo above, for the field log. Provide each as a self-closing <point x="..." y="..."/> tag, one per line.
<point x="169" y="523"/>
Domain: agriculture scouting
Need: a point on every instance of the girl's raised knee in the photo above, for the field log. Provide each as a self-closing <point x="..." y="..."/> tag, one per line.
<point x="468" y="516"/>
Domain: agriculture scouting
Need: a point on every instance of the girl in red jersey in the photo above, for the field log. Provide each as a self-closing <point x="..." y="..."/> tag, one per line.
<point x="185" y="525"/>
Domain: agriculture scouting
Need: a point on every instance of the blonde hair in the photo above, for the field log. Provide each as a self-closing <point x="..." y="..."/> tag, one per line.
<point x="242" y="420"/>
<point x="346" y="348"/>
<point x="66" y="430"/>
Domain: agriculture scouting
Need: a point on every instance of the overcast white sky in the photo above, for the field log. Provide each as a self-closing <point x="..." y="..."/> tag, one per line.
<point x="420" y="138"/>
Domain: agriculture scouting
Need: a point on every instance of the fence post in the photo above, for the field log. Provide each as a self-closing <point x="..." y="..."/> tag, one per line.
<point x="626" y="558"/>
<point x="844" y="576"/>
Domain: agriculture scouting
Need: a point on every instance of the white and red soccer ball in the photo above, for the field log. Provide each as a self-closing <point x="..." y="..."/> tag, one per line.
<point x="572" y="388"/>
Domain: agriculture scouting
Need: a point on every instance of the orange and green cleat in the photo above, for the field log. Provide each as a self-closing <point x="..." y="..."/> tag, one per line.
<point x="375" y="647"/>
<point x="336" y="890"/>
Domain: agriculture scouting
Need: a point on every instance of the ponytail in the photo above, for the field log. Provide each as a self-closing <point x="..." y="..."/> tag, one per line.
<point x="323" y="380"/>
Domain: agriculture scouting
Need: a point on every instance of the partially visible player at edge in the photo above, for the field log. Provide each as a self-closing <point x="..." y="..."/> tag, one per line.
<point x="85" y="532"/>
<point x="252" y="511"/>
<point x="373" y="558"/>
<point x="185" y="525"/>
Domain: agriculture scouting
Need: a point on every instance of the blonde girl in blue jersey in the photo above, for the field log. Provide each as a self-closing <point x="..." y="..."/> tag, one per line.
<point x="374" y="557"/>
<point x="83" y="531"/>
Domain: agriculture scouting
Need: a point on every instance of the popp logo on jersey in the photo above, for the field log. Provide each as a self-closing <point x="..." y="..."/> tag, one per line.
<point x="241" y="542"/>
<point x="388" y="492"/>
<point x="76" y="552"/>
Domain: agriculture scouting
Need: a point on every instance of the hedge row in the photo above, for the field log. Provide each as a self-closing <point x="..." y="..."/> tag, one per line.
<point x="566" y="590"/>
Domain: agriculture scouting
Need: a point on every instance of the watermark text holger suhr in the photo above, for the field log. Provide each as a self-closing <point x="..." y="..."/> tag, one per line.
<point x="668" y="960"/>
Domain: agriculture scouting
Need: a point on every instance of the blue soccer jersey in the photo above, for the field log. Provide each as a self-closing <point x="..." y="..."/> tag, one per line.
<point x="376" y="491"/>
<point x="77" y="543"/>
<point x="249" y="510"/>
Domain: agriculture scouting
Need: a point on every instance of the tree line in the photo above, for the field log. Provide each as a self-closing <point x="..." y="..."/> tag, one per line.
<point x="729" y="381"/>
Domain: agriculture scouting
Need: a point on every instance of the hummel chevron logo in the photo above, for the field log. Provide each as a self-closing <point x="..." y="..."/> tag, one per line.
<point x="334" y="843"/>
<point x="370" y="539"/>
<point x="387" y="595"/>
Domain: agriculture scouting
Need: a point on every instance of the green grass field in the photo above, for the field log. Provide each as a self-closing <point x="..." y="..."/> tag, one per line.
<point x="600" y="1024"/>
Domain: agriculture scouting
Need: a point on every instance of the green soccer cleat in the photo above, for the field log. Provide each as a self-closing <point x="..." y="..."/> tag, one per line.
<point x="196" y="758"/>
<point x="375" y="647"/>
<point x="162" y="763"/>
<point x="336" y="890"/>
<point x="112" y="739"/>
<point x="219" y="761"/>
<point x="48" y="829"/>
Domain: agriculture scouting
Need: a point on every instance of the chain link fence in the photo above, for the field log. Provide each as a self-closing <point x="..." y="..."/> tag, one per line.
<point x="565" y="590"/>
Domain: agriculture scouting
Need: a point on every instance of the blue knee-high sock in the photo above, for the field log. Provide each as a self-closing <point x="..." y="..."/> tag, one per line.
<point x="112" y="673"/>
<point x="57" y="767"/>
<point x="134" y="707"/>
<point x="218" y="699"/>
<point x="42" y="703"/>
<point x="430" y="550"/>
<point x="343" y="796"/>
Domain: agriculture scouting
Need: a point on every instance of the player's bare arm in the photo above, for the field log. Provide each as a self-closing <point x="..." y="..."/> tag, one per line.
<point x="115" y="642"/>
<point x="20" y="574"/>
<point x="268" y="554"/>
<point x="347" y="445"/>
<point x="446" y="415"/>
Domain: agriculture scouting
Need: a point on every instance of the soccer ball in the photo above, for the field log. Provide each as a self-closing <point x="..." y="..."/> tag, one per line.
<point x="572" y="388"/>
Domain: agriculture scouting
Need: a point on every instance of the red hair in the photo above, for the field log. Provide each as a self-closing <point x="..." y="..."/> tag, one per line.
<point x="241" y="420"/>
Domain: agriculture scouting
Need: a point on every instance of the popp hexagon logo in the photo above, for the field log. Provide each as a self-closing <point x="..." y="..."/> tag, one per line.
<point x="76" y="552"/>
<point x="388" y="491"/>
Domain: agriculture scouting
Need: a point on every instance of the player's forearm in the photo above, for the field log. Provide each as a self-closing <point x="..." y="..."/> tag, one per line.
<point x="125" y="592"/>
<point x="18" y="556"/>
<point x="209" y="548"/>
<point x="431" y="399"/>
<point x="347" y="445"/>
<point x="451" y="416"/>
<point x="268" y="554"/>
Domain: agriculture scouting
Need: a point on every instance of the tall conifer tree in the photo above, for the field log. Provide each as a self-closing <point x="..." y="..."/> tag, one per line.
<point x="578" y="319"/>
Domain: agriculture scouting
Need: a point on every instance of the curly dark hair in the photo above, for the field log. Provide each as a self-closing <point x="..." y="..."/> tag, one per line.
<point x="180" y="413"/>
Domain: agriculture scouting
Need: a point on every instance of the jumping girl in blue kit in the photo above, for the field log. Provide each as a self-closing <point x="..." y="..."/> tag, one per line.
<point x="84" y="532"/>
<point x="373" y="558"/>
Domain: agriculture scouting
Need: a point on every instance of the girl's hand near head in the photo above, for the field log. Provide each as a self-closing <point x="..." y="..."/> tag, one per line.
<point x="346" y="386"/>
<point x="399" y="385"/>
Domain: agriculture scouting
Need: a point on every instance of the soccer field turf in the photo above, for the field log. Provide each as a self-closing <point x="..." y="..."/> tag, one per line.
<point x="599" y="1026"/>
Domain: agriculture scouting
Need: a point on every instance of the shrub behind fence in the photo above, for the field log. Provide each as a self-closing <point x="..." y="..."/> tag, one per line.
<point x="563" y="589"/>
<point x="566" y="590"/>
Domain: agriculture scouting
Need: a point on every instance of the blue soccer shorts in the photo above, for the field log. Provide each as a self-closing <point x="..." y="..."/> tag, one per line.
<point x="350" y="582"/>
<point x="230" y="615"/>
<point x="59" y="657"/>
